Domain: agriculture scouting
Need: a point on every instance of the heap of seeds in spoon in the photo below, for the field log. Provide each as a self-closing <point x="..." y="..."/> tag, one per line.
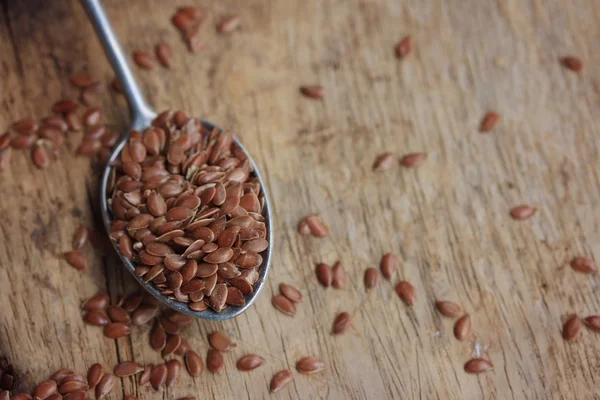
<point x="187" y="211"/>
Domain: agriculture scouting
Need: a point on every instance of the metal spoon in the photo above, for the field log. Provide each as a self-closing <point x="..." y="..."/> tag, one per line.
<point x="142" y="118"/>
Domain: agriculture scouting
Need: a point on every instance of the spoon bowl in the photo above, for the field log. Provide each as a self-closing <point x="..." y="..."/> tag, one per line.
<point x="142" y="118"/>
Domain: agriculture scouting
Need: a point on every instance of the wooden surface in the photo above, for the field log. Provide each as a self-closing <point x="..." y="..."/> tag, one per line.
<point x="447" y="220"/>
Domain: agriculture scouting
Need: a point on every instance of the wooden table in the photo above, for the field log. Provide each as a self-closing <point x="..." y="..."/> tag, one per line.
<point x="448" y="220"/>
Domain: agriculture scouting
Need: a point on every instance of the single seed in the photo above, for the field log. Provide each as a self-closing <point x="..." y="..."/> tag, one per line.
<point x="105" y="386"/>
<point x="522" y="212"/>
<point x="384" y="161"/>
<point x="404" y="47"/>
<point x="341" y="323"/>
<point x="413" y="160"/>
<point x="76" y="259"/>
<point x="280" y="380"/>
<point x="158" y="376"/>
<point x="228" y="24"/>
<point x="593" y="322"/>
<point x="172" y="344"/>
<point x="158" y="337"/>
<point x="58" y="375"/>
<point x="64" y="106"/>
<point x="93" y="117"/>
<point x="94" y="375"/>
<point x="573" y="63"/>
<point x="572" y="328"/>
<point x="127" y="368"/>
<point x="303" y="228"/>
<point x="324" y="274"/>
<point x="310" y="365"/>
<point x="145" y="377"/>
<point x="389" y="264"/>
<point x="40" y="156"/>
<point x="143" y="314"/>
<point x="290" y="292"/>
<point x="371" y="278"/>
<point x="116" y="330"/>
<point x="462" y="327"/>
<point x="489" y="122"/>
<point x="406" y="291"/>
<point x="339" y="278"/>
<point x="83" y="80"/>
<point x="220" y="341"/>
<point x="478" y="365"/>
<point x="214" y="361"/>
<point x="448" y="309"/>
<point x="96" y="318"/>
<point x="284" y="305"/>
<point x="144" y="60"/>
<point x="313" y="91"/>
<point x="89" y="96"/>
<point x="25" y="126"/>
<point x="71" y="386"/>
<point x="44" y="389"/>
<point x="249" y="362"/>
<point x="583" y="264"/>
<point x="173" y="368"/>
<point x="80" y="237"/>
<point x="164" y="54"/>
<point x="193" y="363"/>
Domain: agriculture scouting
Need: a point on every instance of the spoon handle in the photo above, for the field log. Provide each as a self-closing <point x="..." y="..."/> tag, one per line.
<point x="142" y="113"/>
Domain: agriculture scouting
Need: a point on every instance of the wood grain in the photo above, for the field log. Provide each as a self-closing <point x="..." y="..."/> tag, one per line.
<point x="448" y="220"/>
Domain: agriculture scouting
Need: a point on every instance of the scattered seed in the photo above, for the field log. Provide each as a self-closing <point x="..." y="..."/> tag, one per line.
<point x="281" y="379"/>
<point x="341" y="323"/>
<point x="116" y="330"/>
<point x="389" y="264"/>
<point x="413" y="160"/>
<point x="96" y="318"/>
<point x="220" y="341"/>
<point x="339" y="278"/>
<point x="44" y="389"/>
<point x="284" y="305"/>
<point x="214" y="361"/>
<point x="144" y="60"/>
<point x="572" y="328"/>
<point x="193" y="363"/>
<point x="371" y="278"/>
<point x="313" y="91"/>
<point x="90" y="96"/>
<point x="404" y="47"/>
<point x="406" y="291"/>
<point x="573" y="63"/>
<point x="593" y="322"/>
<point x="164" y="54"/>
<point x="384" y="161"/>
<point x="94" y="375"/>
<point x="64" y="106"/>
<point x="489" y="122"/>
<point x="80" y="237"/>
<point x="40" y="156"/>
<point x="104" y="386"/>
<point x="229" y="24"/>
<point x="478" y="365"/>
<point x="145" y="377"/>
<point x="324" y="274"/>
<point x="172" y="344"/>
<point x="522" y="212"/>
<point x="583" y="264"/>
<point x="173" y="368"/>
<point x="290" y="292"/>
<point x="158" y="376"/>
<point x="127" y="368"/>
<point x="303" y="228"/>
<point x="249" y="362"/>
<point x="83" y="80"/>
<point x="98" y="301"/>
<point x="462" y="327"/>
<point x="143" y="314"/>
<point x="58" y="375"/>
<point x="310" y="365"/>
<point x="76" y="259"/>
<point x="448" y="309"/>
